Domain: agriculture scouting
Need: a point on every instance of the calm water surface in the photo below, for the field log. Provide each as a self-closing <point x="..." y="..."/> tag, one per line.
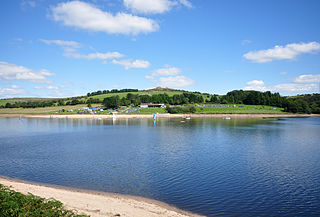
<point x="237" y="167"/>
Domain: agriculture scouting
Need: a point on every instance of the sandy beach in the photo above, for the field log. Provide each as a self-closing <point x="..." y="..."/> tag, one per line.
<point x="160" y="116"/>
<point x="98" y="203"/>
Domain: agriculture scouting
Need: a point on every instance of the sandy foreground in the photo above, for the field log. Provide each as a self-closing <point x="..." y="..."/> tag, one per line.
<point x="159" y="116"/>
<point x="98" y="203"/>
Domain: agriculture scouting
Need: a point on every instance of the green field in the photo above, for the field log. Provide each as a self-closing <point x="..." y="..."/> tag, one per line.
<point x="12" y="100"/>
<point x="44" y="110"/>
<point x="244" y="109"/>
<point x="150" y="111"/>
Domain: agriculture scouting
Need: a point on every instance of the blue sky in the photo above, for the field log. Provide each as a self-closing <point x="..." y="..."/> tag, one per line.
<point x="68" y="48"/>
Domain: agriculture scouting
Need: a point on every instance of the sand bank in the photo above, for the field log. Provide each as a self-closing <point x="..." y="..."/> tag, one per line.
<point x="160" y="116"/>
<point x="98" y="203"/>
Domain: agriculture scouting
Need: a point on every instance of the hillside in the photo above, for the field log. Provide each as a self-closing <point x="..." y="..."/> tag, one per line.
<point x="133" y="98"/>
<point x="150" y="92"/>
<point x="98" y="96"/>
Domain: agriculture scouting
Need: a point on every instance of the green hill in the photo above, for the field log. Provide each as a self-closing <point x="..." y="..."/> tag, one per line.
<point x="150" y="92"/>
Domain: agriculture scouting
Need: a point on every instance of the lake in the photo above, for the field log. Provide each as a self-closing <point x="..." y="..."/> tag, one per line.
<point x="237" y="167"/>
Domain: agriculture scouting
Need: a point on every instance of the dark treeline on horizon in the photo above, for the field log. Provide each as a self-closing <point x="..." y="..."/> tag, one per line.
<point x="100" y="92"/>
<point x="308" y="103"/>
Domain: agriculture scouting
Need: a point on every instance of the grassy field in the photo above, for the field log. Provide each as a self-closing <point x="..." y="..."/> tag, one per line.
<point x="244" y="109"/>
<point x="45" y="110"/>
<point x="12" y="100"/>
<point x="150" y="111"/>
<point x="13" y="203"/>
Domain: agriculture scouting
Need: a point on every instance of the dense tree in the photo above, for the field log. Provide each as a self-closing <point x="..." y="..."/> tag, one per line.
<point x="112" y="102"/>
<point x="180" y="109"/>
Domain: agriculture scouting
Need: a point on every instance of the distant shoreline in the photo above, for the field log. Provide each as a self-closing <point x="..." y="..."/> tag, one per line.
<point x="96" y="203"/>
<point x="138" y="116"/>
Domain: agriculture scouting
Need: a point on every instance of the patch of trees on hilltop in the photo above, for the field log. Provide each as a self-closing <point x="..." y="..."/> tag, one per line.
<point x="100" y="92"/>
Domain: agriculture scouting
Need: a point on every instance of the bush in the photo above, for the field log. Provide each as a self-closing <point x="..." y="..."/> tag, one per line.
<point x="180" y="109"/>
<point x="13" y="203"/>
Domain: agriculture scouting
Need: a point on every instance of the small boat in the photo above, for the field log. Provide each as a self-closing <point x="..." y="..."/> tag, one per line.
<point x="227" y="118"/>
<point x="187" y="117"/>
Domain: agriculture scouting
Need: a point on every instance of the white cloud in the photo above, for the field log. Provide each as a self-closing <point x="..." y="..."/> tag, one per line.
<point x="245" y="42"/>
<point x="288" y="52"/>
<point x="150" y="77"/>
<point x="62" y="43"/>
<point x="26" y="3"/>
<point x="255" y="83"/>
<point x="185" y="3"/>
<point x="13" y="90"/>
<point x="14" y="72"/>
<point x="175" y="81"/>
<point x="154" y="6"/>
<point x="300" y="84"/>
<point x="167" y="70"/>
<point x="307" y="79"/>
<point x="67" y="46"/>
<point x="172" y="79"/>
<point x="88" y="17"/>
<point x="294" y="88"/>
<point x="46" y="88"/>
<point x="128" y="64"/>
<point x="148" y="7"/>
<point x="101" y="56"/>
<point x="71" y="50"/>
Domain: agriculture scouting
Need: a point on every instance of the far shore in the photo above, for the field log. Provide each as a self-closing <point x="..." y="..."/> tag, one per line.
<point x="97" y="204"/>
<point x="123" y="116"/>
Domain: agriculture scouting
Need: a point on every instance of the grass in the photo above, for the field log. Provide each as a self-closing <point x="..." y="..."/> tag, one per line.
<point x="244" y="109"/>
<point x="146" y="111"/>
<point x="13" y="100"/>
<point x="14" y="203"/>
<point x="44" y="110"/>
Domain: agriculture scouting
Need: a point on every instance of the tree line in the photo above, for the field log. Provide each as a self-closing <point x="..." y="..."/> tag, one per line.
<point x="100" y="92"/>
<point x="135" y="99"/>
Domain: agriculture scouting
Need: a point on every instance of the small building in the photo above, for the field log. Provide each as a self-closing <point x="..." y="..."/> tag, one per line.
<point x="144" y="105"/>
<point x="152" y="105"/>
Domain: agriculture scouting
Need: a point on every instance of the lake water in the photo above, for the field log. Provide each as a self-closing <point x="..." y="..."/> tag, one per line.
<point x="237" y="167"/>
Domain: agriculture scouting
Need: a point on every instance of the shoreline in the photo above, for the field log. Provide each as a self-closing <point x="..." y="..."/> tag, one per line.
<point x="97" y="203"/>
<point x="150" y="116"/>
